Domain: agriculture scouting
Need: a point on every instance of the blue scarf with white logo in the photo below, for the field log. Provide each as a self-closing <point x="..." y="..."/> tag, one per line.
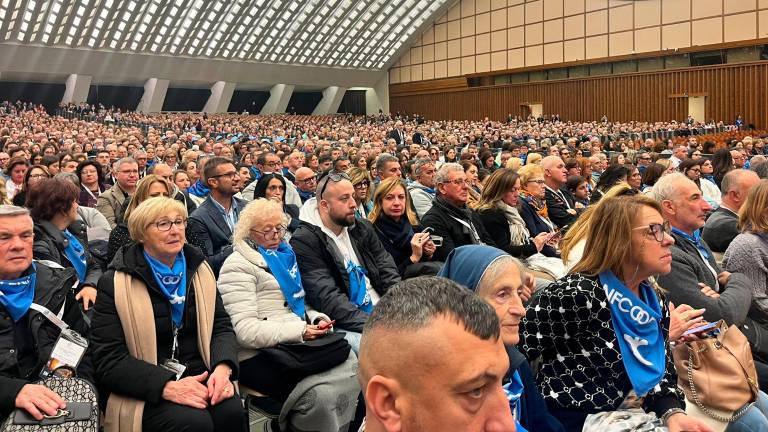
<point x="282" y="264"/>
<point x="16" y="295"/>
<point x="514" y="390"/>
<point x="172" y="283"/>
<point x="637" y="324"/>
<point x="695" y="239"/>
<point x="358" y="292"/>
<point x="76" y="255"/>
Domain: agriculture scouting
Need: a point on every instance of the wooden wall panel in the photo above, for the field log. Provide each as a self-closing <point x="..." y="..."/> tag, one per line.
<point x="649" y="96"/>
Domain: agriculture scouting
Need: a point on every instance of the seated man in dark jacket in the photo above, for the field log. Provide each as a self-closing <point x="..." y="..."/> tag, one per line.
<point x="344" y="267"/>
<point x="696" y="279"/>
<point x="449" y="217"/>
<point x="210" y="226"/>
<point x="27" y="337"/>
<point x="721" y="227"/>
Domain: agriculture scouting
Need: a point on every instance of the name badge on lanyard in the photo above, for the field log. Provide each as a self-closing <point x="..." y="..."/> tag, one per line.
<point x="67" y="353"/>
<point x="172" y="364"/>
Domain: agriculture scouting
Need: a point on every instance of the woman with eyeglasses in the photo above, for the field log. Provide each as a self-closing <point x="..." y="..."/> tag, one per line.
<point x="272" y="187"/>
<point x="692" y="169"/>
<point x="60" y="237"/>
<point x="263" y="293"/>
<point x="164" y="350"/>
<point x="91" y="182"/>
<point x="34" y="175"/>
<point x="361" y="181"/>
<point x="533" y="207"/>
<point x="150" y="186"/>
<point x="593" y="349"/>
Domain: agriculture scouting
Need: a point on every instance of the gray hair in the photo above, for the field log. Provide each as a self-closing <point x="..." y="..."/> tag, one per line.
<point x="124" y="161"/>
<point x="445" y="169"/>
<point x="419" y="164"/>
<point x="761" y="169"/>
<point x="732" y="180"/>
<point x="12" y="210"/>
<point x="667" y="186"/>
<point x="412" y="304"/>
<point x="383" y="159"/>
<point x="72" y="177"/>
<point x="498" y="267"/>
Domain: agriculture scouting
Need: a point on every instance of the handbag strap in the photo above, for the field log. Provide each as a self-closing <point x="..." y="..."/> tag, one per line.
<point x="726" y="419"/>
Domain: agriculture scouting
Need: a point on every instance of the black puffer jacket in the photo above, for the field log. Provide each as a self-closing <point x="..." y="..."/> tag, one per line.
<point x="20" y="364"/>
<point x="116" y="370"/>
<point x="324" y="272"/>
<point x="50" y="244"/>
<point x="441" y="219"/>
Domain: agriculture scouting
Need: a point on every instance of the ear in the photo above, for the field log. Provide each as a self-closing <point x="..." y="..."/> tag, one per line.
<point x="381" y="395"/>
<point x="668" y="206"/>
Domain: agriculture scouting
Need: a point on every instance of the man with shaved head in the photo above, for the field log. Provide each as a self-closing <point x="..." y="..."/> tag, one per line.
<point x="561" y="206"/>
<point x="306" y="182"/>
<point x="446" y="373"/>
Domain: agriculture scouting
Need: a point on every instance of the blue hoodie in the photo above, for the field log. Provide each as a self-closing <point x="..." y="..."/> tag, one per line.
<point x="466" y="265"/>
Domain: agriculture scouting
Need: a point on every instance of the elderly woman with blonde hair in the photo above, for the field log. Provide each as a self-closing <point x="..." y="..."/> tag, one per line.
<point x="262" y="290"/>
<point x="163" y="345"/>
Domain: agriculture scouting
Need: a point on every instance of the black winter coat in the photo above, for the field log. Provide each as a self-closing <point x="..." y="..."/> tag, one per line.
<point x="454" y="234"/>
<point x="50" y="244"/>
<point x="21" y="365"/>
<point x="116" y="370"/>
<point x="324" y="272"/>
<point x="497" y="226"/>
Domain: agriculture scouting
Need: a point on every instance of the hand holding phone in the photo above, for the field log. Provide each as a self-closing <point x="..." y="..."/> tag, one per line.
<point x="326" y="324"/>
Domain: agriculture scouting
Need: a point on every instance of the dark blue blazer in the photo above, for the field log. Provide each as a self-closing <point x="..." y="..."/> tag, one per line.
<point x="208" y="230"/>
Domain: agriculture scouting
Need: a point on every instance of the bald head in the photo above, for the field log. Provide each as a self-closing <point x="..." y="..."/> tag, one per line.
<point x="163" y="170"/>
<point x="735" y="187"/>
<point x="555" y="174"/>
<point x="305" y="179"/>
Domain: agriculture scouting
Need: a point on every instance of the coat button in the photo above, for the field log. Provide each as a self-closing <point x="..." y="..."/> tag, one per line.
<point x="285" y="304"/>
<point x="12" y="351"/>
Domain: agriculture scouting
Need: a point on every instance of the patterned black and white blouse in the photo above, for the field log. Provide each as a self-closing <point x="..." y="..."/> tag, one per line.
<point x="568" y="325"/>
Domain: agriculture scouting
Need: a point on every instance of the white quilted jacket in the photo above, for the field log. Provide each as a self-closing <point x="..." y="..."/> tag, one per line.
<point x="254" y="301"/>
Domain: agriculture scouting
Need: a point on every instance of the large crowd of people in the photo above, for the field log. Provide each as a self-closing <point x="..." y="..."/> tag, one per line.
<point x="475" y="272"/>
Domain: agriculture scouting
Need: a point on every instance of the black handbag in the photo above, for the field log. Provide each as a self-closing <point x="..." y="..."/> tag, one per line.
<point x="80" y="415"/>
<point x="300" y="360"/>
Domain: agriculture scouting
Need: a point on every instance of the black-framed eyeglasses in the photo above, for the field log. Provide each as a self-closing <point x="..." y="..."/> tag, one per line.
<point x="307" y="180"/>
<point x="332" y="177"/>
<point x="231" y="175"/>
<point x="659" y="230"/>
<point x="166" y="225"/>
<point x="362" y="184"/>
<point x="277" y="232"/>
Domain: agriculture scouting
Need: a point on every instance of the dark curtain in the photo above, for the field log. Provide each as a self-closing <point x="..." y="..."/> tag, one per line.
<point x="186" y="99"/>
<point x="115" y="96"/>
<point x="47" y="94"/>
<point x="303" y="102"/>
<point x="247" y="100"/>
<point x="353" y="103"/>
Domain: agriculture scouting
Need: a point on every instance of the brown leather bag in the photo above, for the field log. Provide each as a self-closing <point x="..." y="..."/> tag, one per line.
<point x="718" y="373"/>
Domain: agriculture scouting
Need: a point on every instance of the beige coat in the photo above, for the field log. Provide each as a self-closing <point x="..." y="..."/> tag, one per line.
<point x="260" y="315"/>
<point x="110" y="204"/>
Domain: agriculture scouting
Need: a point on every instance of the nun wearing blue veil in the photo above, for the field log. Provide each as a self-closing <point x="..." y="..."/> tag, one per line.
<point x="498" y="278"/>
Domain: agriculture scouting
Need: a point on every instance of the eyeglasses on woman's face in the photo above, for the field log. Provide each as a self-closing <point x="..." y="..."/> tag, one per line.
<point x="165" y="225"/>
<point x="539" y="182"/>
<point x="363" y="185"/>
<point x="271" y="233"/>
<point x="658" y="230"/>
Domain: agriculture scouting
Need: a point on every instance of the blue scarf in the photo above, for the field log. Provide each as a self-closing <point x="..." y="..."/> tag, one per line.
<point x="17" y="294"/>
<point x="282" y="264"/>
<point x="709" y="177"/>
<point x="76" y="255"/>
<point x="695" y="239"/>
<point x="514" y="390"/>
<point x="358" y="292"/>
<point x="172" y="283"/>
<point x="638" y="330"/>
<point x="199" y="190"/>
<point x="305" y="195"/>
